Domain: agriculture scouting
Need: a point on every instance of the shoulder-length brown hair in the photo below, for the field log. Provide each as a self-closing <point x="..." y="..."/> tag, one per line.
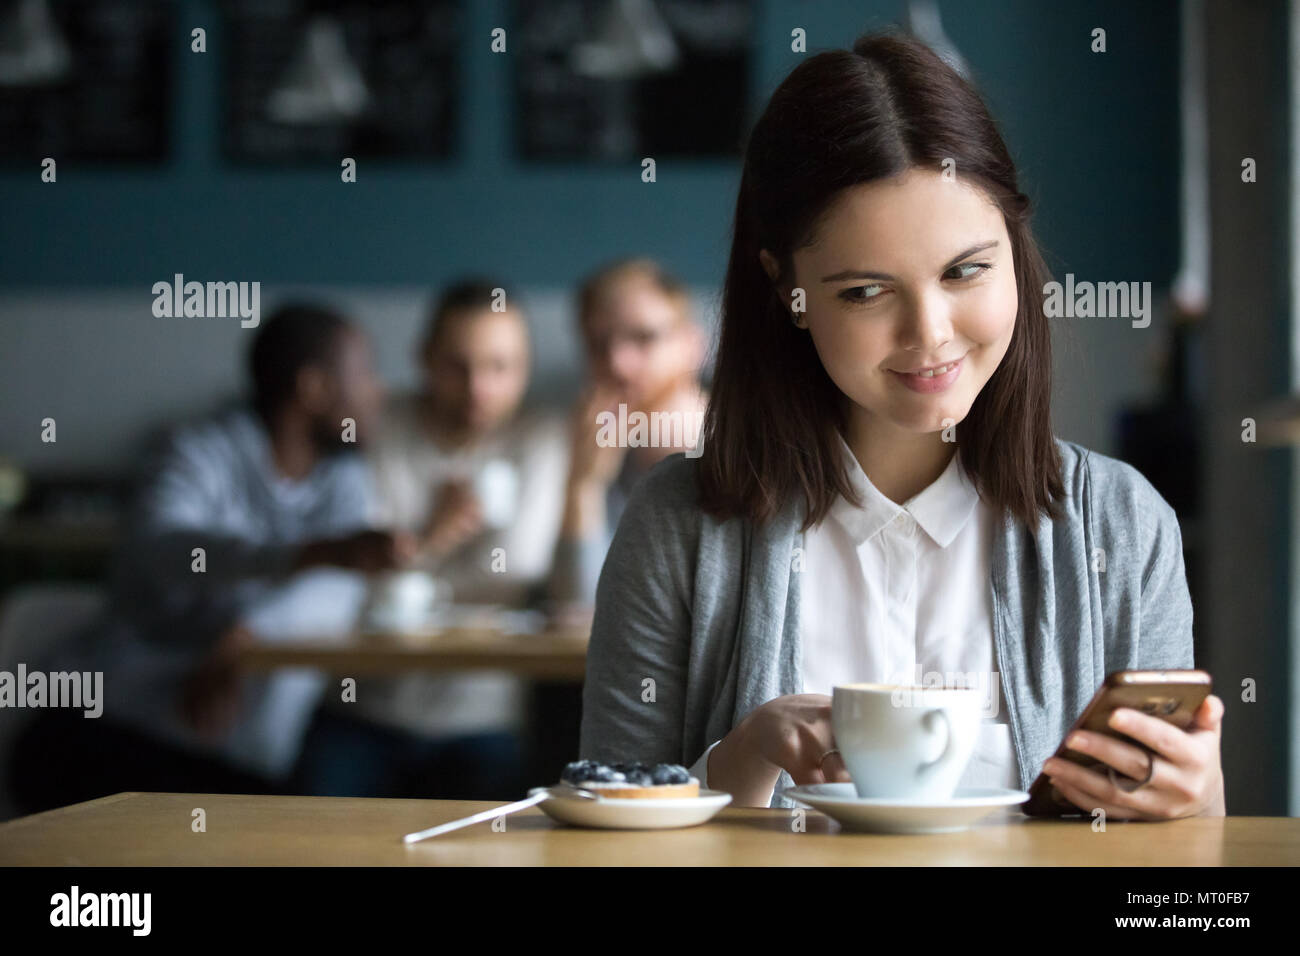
<point x="842" y="118"/>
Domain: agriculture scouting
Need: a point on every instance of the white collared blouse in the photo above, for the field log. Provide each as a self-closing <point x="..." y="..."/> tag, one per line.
<point x="902" y="594"/>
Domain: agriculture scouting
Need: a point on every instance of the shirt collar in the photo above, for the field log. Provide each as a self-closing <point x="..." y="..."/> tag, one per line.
<point x="942" y="509"/>
<point x="257" y="442"/>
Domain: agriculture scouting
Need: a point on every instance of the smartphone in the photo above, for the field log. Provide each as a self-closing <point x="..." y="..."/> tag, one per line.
<point x="1169" y="695"/>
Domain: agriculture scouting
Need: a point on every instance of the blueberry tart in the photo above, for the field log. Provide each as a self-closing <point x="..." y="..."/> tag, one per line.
<point x="632" y="780"/>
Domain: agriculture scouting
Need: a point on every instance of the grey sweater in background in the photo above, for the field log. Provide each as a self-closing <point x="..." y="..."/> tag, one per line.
<point x="213" y="485"/>
<point x="697" y="620"/>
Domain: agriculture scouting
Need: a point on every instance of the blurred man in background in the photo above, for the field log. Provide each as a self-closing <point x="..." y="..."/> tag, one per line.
<point x="644" y="352"/>
<point x="249" y="526"/>
<point x="479" y="482"/>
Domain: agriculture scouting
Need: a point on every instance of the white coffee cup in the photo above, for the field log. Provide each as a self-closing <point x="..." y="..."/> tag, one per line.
<point x="496" y="485"/>
<point x="405" y="599"/>
<point x="905" y="742"/>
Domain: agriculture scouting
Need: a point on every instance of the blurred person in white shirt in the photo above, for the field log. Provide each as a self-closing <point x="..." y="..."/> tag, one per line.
<point x="478" y="480"/>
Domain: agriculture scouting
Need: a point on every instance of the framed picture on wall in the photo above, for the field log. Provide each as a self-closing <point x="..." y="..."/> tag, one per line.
<point x="612" y="80"/>
<point x="85" y="80"/>
<point x="322" y="79"/>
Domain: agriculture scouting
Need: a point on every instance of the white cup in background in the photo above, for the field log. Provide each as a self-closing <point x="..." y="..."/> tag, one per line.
<point x="496" y="485"/>
<point x="406" y="600"/>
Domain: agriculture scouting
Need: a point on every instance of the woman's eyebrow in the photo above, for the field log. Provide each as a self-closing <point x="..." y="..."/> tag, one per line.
<point x="978" y="247"/>
<point x="858" y="274"/>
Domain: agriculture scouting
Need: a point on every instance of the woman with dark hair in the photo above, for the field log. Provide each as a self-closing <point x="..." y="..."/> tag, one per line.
<point x="880" y="496"/>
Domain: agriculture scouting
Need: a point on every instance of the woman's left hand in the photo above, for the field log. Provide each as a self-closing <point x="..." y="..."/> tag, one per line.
<point x="1186" y="775"/>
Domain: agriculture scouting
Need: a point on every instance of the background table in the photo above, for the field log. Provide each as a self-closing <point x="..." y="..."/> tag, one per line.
<point x="552" y="662"/>
<point x="153" y="829"/>
<point x="551" y="655"/>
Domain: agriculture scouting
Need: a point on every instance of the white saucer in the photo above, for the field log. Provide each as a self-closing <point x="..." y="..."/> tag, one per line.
<point x="840" y="801"/>
<point x="651" y="813"/>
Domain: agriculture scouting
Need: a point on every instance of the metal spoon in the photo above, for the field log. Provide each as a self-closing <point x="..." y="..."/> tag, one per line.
<point x="542" y="793"/>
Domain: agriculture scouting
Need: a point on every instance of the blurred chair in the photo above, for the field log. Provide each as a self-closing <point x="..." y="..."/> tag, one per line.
<point x="34" y="621"/>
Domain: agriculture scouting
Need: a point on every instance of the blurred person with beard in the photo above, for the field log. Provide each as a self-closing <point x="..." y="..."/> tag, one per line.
<point x="280" y="506"/>
<point x="644" y="352"/>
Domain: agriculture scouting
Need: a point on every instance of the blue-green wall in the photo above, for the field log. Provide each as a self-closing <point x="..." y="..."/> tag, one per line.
<point x="1096" y="135"/>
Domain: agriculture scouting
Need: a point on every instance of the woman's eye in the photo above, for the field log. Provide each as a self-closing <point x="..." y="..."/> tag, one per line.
<point x="862" y="293"/>
<point x="967" y="270"/>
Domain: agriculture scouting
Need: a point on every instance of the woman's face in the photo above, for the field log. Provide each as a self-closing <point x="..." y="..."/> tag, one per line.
<point x="907" y="274"/>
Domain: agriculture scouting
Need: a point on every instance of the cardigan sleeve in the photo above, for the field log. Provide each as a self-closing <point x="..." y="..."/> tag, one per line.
<point x="1166" y="630"/>
<point x="1146" y="543"/>
<point x="634" y="696"/>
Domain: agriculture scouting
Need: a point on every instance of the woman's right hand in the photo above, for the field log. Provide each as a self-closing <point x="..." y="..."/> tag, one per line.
<point x="790" y="733"/>
<point x="590" y="463"/>
<point x="592" y="466"/>
<point x="456" y="517"/>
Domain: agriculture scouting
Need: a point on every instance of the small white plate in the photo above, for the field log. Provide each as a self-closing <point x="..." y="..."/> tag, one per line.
<point x="651" y="813"/>
<point x="840" y="802"/>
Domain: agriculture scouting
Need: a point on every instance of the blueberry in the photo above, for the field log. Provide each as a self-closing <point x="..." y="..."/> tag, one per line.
<point x="580" y="770"/>
<point x="665" y="773"/>
<point x="622" y="771"/>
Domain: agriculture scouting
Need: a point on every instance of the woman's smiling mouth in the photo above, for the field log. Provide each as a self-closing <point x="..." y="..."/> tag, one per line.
<point x="933" y="378"/>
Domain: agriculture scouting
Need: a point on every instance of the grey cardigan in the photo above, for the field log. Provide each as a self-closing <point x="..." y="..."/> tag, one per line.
<point x="697" y="620"/>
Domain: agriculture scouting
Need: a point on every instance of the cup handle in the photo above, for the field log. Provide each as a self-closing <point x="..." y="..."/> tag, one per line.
<point x="928" y="769"/>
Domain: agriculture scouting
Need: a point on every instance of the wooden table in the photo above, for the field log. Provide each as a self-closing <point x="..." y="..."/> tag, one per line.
<point x="153" y="829"/>
<point x="552" y="655"/>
